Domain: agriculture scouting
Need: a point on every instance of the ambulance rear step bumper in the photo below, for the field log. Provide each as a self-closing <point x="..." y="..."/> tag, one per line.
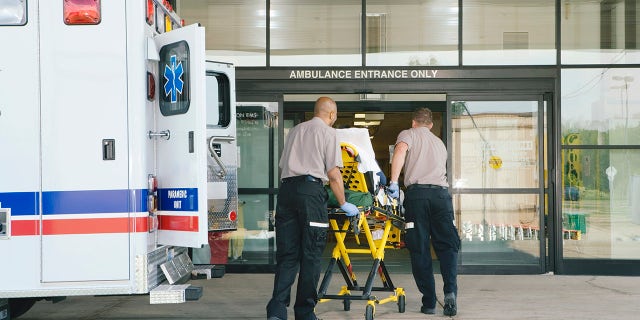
<point x="174" y="293"/>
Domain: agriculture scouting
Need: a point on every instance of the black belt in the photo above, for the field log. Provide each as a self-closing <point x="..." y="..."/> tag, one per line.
<point x="307" y="178"/>
<point x="425" y="186"/>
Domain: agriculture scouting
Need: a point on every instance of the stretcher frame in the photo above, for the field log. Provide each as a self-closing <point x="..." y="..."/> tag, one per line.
<point x="341" y="226"/>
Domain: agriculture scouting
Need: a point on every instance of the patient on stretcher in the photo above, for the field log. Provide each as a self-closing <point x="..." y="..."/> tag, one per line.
<point x="365" y="187"/>
<point x="361" y="173"/>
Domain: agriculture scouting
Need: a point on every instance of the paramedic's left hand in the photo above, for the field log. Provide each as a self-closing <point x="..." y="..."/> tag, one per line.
<point x="350" y="209"/>
<point x="394" y="190"/>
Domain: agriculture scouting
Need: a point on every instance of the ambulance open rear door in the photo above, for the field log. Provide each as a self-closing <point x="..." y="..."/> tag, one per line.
<point x="180" y="135"/>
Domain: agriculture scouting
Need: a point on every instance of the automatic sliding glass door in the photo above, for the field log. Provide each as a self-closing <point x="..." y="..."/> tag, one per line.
<point x="497" y="166"/>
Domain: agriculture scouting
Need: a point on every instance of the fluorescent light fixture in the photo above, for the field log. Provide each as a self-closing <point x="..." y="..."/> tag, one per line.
<point x="359" y="115"/>
<point x="371" y="97"/>
<point x="374" y="116"/>
<point x="366" y="123"/>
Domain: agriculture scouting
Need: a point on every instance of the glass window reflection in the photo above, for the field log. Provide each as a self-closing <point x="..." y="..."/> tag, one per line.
<point x="315" y="33"/>
<point x="250" y="242"/>
<point x="236" y="30"/>
<point x="600" y="106"/>
<point x="498" y="228"/>
<point x="601" y="32"/>
<point x="410" y="33"/>
<point x="601" y="204"/>
<point x="256" y="129"/>
<point x="495" y="144"/>
<point x="508" y="32"/>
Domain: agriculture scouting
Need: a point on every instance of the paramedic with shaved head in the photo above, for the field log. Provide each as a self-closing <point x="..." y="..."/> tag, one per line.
<point x="428" y="209"/>
<point x="311" y="158"/>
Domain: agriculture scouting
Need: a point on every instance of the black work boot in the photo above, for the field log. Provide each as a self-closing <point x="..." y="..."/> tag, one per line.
<point x="427" y="310"/>
<point x="450" y="307"/>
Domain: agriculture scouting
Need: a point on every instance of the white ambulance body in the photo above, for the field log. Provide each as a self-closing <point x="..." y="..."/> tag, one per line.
<point x="117" y="146"/>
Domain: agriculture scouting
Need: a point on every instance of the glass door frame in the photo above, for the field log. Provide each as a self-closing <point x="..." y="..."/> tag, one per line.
<point x="271" y="189"/>
<point x="543" y="190"/>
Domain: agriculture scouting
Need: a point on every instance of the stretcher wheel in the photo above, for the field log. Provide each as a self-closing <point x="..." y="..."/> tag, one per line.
<point x="368" y="312"/>
<point x="347" y="303"/>
<point x="401" y="303"/>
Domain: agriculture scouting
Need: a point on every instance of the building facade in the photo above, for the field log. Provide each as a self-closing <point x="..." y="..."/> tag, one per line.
<point x="536" y="101"/>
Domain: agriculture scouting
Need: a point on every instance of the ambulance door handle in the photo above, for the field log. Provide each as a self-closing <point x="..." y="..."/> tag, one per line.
<point x="166" y="134"/>
<point x="108" y="149"/>
<point x="227" y="139"/>
<point x="212" y="152"/>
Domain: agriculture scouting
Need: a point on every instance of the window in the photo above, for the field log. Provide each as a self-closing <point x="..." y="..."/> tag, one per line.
<point x="218" y="97"/>
<point x="316" y="33"/>
<point x="174" y="75"/>
<point x="508" y="32"/>
<point x="600" y="32"/>
<point x="412" y="33"/>
<point x="600" y="151"/>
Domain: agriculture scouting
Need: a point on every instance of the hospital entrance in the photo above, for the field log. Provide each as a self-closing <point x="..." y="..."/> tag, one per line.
<point x="497" y="165"/>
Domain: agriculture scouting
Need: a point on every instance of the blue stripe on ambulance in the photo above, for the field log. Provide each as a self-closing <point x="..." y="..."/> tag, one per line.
<point x="73" y="202"/>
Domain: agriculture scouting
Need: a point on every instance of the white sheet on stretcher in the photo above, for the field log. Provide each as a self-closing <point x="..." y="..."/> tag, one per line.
<point x="359" y="138"/>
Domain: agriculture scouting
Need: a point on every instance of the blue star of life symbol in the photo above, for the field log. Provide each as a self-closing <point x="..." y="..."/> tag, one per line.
<point x="174" y="84"/>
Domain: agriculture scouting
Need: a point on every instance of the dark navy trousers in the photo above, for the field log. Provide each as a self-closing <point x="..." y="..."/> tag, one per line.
<point x="301" y="222"/>
<point x="429" y="219"/>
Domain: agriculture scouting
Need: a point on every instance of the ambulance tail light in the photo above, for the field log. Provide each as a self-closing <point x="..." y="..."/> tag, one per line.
<point x="233" y="216"/>
<point x="152" y="194"/>
<point x="150" y="12"/>
<point x="81" y="12"/>
<point x="151" y="86"/>
<point x="152" y="183"/>
<point x="13" y="12"/>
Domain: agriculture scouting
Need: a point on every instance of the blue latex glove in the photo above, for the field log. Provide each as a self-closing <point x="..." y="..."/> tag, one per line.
<point x="394" y="190"/>
<point x="350" y="209"/>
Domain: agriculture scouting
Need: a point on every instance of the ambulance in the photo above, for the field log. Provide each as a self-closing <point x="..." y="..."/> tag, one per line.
<point x="118" y="153"/>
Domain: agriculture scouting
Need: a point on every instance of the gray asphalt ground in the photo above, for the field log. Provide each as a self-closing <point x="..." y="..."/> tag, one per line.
<point x="244" y="296"/>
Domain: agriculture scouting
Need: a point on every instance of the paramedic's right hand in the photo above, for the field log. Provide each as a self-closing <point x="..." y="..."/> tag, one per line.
<point x="350" y="209"/>
<point x="394" y="190"/>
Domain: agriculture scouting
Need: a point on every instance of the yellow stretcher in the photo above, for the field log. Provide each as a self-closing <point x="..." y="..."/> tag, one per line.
<point x="382" y="226"/>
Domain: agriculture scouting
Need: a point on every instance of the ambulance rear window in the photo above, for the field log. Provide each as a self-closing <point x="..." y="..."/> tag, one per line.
<point x="224" y="99"/>
<point x="174" y="78"/>
<point x="13" y="12"/>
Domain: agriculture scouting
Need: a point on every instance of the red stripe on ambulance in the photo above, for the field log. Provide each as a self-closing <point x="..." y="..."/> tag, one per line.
<point x="25" y="227"/>
<point x="178" y="223"/>
<point x="79" y="226"/>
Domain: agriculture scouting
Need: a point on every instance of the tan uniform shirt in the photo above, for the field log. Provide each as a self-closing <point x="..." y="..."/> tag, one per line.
<point x="426" y="161"/>
<point x="311" y="148"/>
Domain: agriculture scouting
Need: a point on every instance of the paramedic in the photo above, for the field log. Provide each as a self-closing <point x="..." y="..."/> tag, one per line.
<point x="428" y="209"/>
<point x="311" y="157"/>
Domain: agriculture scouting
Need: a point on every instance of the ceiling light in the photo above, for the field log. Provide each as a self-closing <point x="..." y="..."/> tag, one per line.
<point x="366" y="123"/>
<point x="374" y="116"/>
